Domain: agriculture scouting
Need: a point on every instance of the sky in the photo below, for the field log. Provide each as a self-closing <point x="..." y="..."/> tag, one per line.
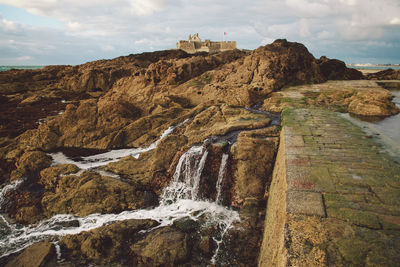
<point x="43" y="32"/>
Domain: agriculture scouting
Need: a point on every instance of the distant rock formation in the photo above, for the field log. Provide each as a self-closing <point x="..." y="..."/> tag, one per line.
<point x="389" y="74"/>
<point x="194" y="45"/>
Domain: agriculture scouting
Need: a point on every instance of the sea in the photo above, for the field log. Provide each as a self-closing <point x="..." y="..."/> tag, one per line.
<point x="374" y="66"/>
<point x="4" y="68"/>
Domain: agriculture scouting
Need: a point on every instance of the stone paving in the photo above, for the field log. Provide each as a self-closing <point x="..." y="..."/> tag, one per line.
<point x="341" y="193"/>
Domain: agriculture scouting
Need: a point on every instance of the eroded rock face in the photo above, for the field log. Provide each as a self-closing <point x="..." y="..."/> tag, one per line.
<point x="373" y="103"/>
<point x="129" y="102"/>
<point x="389" y="74"/>
<point x="166" y="246"/>
<point x="92" y="193"/>
<point x="333" y="69"/>
<point x="106" y="244"/>
<point x="38" y="255"/>
<point x="30" y="164"/>
<point x="365" y="99"/>
<point x="254" y="153"/>
<point x="252" y="78"/>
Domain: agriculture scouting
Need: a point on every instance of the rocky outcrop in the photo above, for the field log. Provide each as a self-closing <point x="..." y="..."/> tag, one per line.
<point x="252" y="78"/>
<point x="29" y="165"/>
<point x="373" y="103"/>
<point x="389" y="74"/>
<point x="130" y="243"/>
<point x="361" y="98"/>
<point x="162" y="247"/>
<point x="38" y="255"/>
<point x="128" y="102"/>
<point x="106" y="244"/>
<point x="92" y="193"/>
<point x="334" y="69"/>
<point x="254" y="153"/>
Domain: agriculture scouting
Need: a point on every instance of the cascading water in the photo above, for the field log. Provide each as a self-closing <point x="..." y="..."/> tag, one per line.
<point x="186" y="179"/>
<point x="221" y="174"/>
<point x="179" y="200"/>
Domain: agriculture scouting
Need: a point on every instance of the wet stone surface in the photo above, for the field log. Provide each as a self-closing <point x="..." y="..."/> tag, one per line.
<point x="343" y="193"/>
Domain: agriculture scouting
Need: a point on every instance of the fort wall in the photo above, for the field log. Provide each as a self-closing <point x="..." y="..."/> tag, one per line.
<point x="194" y="45"/>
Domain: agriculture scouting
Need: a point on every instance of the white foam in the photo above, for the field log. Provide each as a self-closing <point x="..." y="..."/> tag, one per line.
<point x="10" y="187"/>
<point x="178" y="200"/>
<point x="102" y="159"/>
<point x="22" y="237"/>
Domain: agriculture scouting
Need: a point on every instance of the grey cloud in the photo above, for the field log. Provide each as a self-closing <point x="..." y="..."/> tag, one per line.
<point x="104" y="29"/>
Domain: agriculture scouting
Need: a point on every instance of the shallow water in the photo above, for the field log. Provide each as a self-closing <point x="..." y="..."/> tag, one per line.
<point x="387" y="131"/>
<point x="5" y="68"/>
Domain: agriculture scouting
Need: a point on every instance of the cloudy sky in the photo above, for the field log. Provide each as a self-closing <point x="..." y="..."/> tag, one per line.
<point x="76" y="31"/>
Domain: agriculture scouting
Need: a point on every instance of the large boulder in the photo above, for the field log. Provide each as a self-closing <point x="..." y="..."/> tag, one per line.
<point x="38" y="255"/>
<point x="107" y="244"/>
<point x="30" y="164"/>
<point x="162" y="247"/>
<point x="334" y="69"/>
<point x="92" y="193"/>
<point x="254" y="153"/>
<point x="373" y="103"/>
<point x="389" y="74"/>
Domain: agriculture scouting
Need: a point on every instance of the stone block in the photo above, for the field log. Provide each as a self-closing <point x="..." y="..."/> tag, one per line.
<point x="304" y="202"/>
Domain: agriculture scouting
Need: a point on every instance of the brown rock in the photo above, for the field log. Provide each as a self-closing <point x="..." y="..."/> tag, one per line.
<point x="30" y="164"/>
<point x="389" y="74"/>
<point x="373" y="103"/>
<point x="92" y="193"/>
<point x="150" y="169"/>
<point x="49" y="177"/>
<point x="254" y="153"/>
<point x="38" y="255"/>
<point x="165" y="246"/>
<point x="250" y="79"/>
<point x="105" y="244"/>
<point x="220" y="120"/>
<point x="334" y="69"/>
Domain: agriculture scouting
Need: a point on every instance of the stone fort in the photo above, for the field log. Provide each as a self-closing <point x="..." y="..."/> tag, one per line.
<point x="194" y="44"/>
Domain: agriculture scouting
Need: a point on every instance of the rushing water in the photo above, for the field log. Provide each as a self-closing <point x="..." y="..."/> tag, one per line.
<point x="102" y="159"/>
<point x="221" y="174"/>
<point x="178" y="200"/>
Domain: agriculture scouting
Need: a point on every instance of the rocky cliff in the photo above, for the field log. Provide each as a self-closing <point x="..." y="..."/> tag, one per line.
<point x="128" y="103"/>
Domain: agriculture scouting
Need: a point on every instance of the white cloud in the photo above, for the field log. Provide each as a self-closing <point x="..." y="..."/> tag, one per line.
<point x="107" y="28"/>
<point x="8" y="25"/>
<point x="324" y="35"/>
<point x="310" y="7"/>
<point x="107" y="48"/>
<point x="266" y="41"/>
<point x="75" y="26"/>
<point x="146" y="7"/>
<point x="304" y="30"/>
<point x="349" y="2"/>
<point x="395" y="21"/>
<point x="24" y="58"/>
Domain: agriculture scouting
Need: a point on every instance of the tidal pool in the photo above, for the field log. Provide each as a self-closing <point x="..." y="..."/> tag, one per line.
<point x="387" y="131"/>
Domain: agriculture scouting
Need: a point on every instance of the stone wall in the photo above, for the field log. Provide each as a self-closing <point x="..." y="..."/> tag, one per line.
<point x="194" y="45"/>
<point x="273" y="251"/>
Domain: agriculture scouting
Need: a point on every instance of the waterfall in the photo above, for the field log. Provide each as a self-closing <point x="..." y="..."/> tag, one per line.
<point x="179" y="200"/>
<point x="186" y="179"/>
<point x="221" y="174"/>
